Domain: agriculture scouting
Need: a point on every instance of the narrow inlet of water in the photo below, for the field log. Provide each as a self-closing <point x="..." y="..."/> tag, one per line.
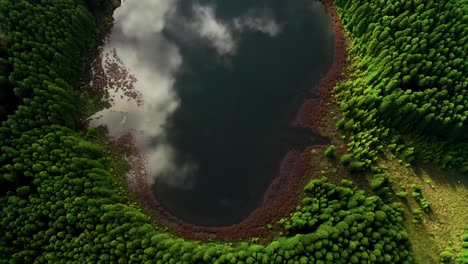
<point x="218" y="83"/>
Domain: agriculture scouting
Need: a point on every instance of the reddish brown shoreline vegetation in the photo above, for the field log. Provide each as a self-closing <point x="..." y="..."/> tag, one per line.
<point x="281" y="197"/>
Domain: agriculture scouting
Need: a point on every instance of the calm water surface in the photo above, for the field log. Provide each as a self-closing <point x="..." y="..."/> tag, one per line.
<point x="221" y="82"/>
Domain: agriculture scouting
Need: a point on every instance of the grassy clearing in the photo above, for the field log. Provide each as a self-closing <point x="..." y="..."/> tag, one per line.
<point x="445" y="220"/>
<point x="444" y="193"/>
<point x="442" y="225"/>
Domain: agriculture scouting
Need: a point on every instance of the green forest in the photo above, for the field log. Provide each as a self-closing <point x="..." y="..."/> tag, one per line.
<point x="405" y="94"/>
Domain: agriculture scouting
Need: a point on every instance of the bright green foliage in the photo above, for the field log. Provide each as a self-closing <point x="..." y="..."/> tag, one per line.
<point x="378" y="181"/>
<point x="346" y="223"/>
<point x="330" y="152"/>
<point x="446" y="256"/>
<point x="346" y="159"/>
<point x="356" y="166"/>
<point x="351" y="164"/>
<point x="45" y="44"/>
<point x="463" y="257"/>
<point x="74" y="213"/>
<point x="60" y="203"/>
<point x="402" y="194"/>
<point x="417" y="195"/>
<point x="417" y="215"/>
<point x="409" y="86"/>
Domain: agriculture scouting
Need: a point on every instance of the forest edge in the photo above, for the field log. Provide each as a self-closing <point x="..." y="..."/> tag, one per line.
<point x="282" y="194"/>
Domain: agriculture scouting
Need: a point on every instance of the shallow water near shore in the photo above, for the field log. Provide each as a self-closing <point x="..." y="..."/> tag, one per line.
<point x="216" y="85"/>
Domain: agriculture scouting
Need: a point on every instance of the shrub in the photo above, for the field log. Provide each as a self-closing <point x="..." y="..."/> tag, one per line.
<point x="378" y="181"/>
<point x="356" y="166"/>
<point x="417" y="215"/>
<point x="417" y="195"/>
<point x="346" y="159"/>
<point x="446" y="256"/>
<point x="401" y="194"/>
<point x="330" y="152"/>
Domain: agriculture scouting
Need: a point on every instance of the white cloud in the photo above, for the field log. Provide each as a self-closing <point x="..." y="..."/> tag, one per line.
<point x="258" y="21"/>
<point x="139" y="18"/>
<point x="142" y="47"/>
<point x="208" y="26"/>
<point x="222" y="34"/>
<point x="153" y="60"/>
<point x="162" y="163"/>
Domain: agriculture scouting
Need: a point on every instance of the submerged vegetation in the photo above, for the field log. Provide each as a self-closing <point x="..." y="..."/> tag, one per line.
<point x="61" y="203"/>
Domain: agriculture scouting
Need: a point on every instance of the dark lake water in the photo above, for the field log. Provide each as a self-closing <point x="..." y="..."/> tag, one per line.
<point x="221" y="83"/>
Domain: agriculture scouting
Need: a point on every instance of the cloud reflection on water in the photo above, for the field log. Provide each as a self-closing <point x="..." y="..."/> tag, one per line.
<point x="141" y="44"/>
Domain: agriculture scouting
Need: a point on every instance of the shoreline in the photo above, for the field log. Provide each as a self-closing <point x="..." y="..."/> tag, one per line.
<point x="281" y="195"/>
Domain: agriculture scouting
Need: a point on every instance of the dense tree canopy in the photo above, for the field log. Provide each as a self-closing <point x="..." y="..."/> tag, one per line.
<point x="60" y="203"/>
<point x="410" y="84"/>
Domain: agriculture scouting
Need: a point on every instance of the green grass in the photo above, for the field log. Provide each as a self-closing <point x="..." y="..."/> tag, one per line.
<point x="441" y="226"/>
